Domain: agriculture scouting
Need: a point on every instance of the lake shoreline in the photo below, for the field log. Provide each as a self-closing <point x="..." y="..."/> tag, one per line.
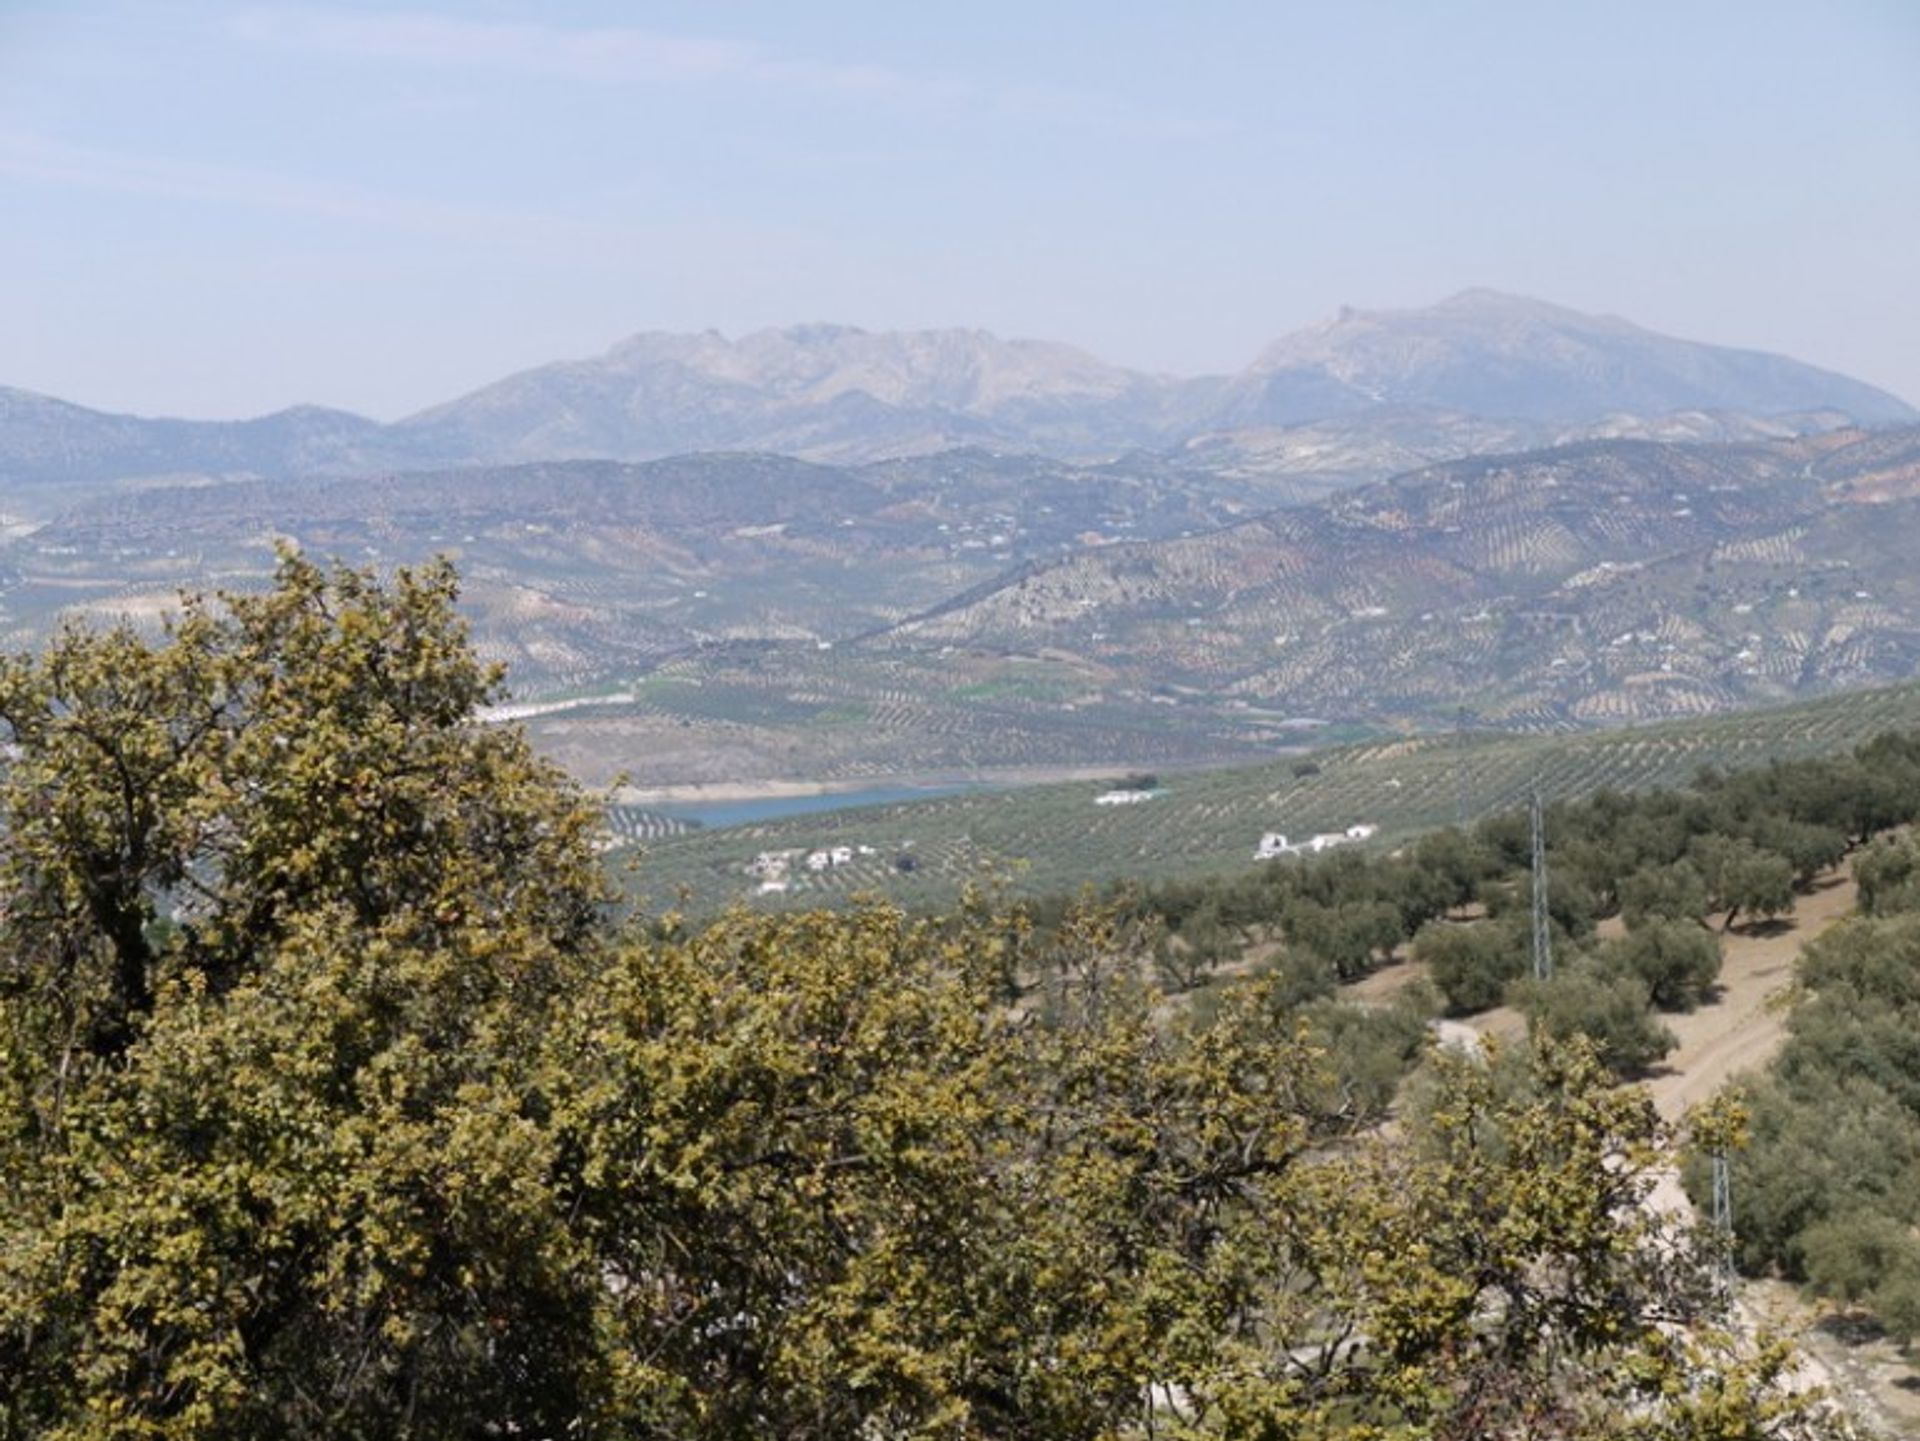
<point x="729" y="792"/>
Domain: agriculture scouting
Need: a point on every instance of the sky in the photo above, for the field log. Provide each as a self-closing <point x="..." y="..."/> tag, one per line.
<point x="215" y="210"/>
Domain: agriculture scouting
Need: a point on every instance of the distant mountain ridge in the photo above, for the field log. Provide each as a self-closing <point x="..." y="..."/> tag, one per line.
<point x="836" y="393"/>
<point x="826" y="391"/>
<point x="1485" y="353"/>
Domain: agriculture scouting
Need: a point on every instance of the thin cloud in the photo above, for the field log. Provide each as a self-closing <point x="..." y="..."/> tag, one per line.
<point x="628" y="54"/>
<point x="38" y="159"/>
<point x="602" y="53"/>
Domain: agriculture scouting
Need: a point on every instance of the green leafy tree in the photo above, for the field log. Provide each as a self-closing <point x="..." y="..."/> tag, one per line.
<point x="280" y="923"/>
<point x="1608" y="1007"/>
<point x="1473" y="962"/>
<point x="1350" y="938"/>
<point x="1676" y="892"/>
<point x="1888" y="872"/>
<point x="1678" y="961"/>
<point x="1743" y="878"/>
<point x="333" y="1103"/>
<point x="1852" y="1257"/>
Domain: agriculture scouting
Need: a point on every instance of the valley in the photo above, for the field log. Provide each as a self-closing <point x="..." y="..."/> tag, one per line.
<point x="1053" y="839"/>
<point x="754" y="618"/>
<point x="941" y="557"/>
<point x="1024" y="723"/>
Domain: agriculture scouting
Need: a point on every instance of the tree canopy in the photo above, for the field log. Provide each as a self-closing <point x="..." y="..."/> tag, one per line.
<point x="337" y="1101"/>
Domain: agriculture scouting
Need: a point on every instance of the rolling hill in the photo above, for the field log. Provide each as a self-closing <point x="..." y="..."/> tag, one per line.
<point x="580" y="570"/>
<point x="1609" y="580"/>
<point x="751" y="618"/>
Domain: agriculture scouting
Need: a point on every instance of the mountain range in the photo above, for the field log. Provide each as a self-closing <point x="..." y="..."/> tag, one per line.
<point x="1413" y="378"/>
<point x="727" y="617"/>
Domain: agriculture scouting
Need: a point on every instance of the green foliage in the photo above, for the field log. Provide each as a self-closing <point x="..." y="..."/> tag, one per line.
<point x="1820" y="1148"/>
<point x="1829" y="1189"/>
<point x="1607" y="1006"/>
<point x="1369" y="1050"/>
<point x="1573" y="905"/>
<point x="1852" y="1257"/>
<point x="333" y="1103"/>
<point x="279" y="923"/>
<point x="1741" y="877"/>
<point x="1888" y="872"/>
<point x="1203" y="942"/>
<point x="1676" y="892"/>
<point x="1678" y="961"/>
<point x="1472" y="962"/>
<point x="1349" y="939"/>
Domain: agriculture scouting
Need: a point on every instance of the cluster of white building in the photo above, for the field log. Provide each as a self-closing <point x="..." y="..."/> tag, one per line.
<point x="1274" y="844"/>
<point x="774" y="868"/>
<point x="1123" y="798"/>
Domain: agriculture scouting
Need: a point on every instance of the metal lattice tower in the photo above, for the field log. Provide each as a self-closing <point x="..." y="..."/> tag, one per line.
<point x="1542" y="932"/>
<point x="1723" y="1202"/>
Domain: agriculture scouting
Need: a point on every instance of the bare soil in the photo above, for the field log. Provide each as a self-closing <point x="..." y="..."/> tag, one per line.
<point x="1741" y="1028"/>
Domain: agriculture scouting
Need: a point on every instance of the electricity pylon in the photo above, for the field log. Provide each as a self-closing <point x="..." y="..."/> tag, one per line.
<point x="1542" y="932"/>
<point x="1723" y="1204"/>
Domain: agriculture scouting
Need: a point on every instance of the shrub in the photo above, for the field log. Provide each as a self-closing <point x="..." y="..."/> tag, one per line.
<point x="1473" y="962"/>
<point x="1889" y="875"/>
<point x="1678" y="961"/>
<point x="1606" y="1006"/>
<point x="1676" y="892"/>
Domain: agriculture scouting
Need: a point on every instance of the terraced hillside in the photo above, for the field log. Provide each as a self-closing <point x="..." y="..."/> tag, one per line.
<point x="581" y="572"/>
<point x="1604" y="581"/>
<point x="751" y="618"/>
<point x="1053" y="838"/>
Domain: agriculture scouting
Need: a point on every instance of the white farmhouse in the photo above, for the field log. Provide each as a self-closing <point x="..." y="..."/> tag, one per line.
<point x="1275" y="844"/>
<point x="1272" y="846"/>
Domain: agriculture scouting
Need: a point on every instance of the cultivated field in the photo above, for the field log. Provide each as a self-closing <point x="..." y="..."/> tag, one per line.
<point x="1051" y="838"/>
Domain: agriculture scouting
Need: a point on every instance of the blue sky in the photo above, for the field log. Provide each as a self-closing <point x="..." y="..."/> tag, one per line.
<point x="215" y="210"/>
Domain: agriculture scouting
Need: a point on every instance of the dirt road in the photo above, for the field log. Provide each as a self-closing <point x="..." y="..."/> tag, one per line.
<point x="1737" y="1031"/>
<point x="1744" y="1025"/>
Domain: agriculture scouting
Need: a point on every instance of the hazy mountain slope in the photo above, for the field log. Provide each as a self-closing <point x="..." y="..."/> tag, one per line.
<point x="1490" y="354"/>
<point x="1366" y="395"/>
<point x="1608" y="580"/>
<point x="821" y="390"/>
<point x="577" y="569"/>
<point x="1509" y="522"/>
<point x="44" y="441"/>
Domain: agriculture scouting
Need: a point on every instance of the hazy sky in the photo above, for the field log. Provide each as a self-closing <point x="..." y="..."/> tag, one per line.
<point x="215" y="210"/>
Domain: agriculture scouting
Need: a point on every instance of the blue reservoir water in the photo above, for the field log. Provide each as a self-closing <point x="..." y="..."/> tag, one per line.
<point x="774" y="808"/>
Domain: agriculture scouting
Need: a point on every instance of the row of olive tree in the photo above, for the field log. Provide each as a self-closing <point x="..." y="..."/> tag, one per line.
<point x="335" y="1103"/>
<point x="1676" y="866"/>
<point x="1828" y="1188"/>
